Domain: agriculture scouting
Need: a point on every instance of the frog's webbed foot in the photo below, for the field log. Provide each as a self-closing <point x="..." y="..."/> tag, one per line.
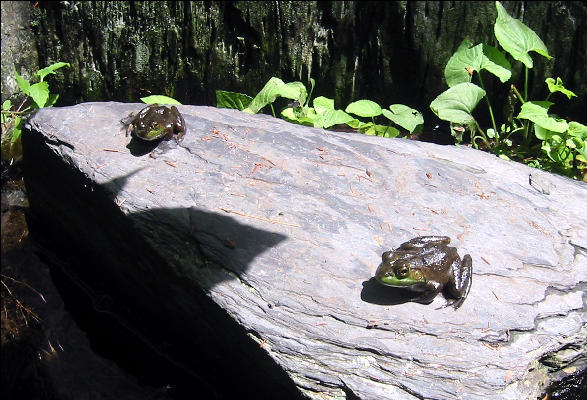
<point x="452" y="303"/>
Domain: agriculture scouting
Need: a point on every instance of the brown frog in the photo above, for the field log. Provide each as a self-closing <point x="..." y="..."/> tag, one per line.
<point x="155" y="122"/>
<point x="427" y="265"/>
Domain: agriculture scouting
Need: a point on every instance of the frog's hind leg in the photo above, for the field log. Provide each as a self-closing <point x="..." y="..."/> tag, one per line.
<point x="422" y="241"/>
<point x="459" y="285"/>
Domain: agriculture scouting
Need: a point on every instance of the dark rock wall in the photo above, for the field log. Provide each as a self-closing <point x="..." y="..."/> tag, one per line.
<point x="390" y="52"/>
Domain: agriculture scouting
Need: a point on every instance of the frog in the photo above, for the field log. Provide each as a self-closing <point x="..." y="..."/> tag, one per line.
<point x="426" y="265"/>
<point x="155" y="122"/>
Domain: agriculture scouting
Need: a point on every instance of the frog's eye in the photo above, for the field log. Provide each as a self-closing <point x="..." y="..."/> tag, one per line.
<point x="154" y="125"/>
<point x="402" y="271"/>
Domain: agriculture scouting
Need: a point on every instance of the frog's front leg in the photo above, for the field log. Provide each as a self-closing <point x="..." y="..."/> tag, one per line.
<point x="429" y="294"/>
<point x="162" y="147"/>
<point x="460" y="284"/>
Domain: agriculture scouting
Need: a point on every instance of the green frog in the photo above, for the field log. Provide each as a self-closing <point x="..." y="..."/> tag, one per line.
<point x="427" y="265"/>
<point x="155" y="122"/>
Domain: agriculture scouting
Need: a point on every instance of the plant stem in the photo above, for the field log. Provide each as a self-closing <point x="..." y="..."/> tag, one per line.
<point x="526" y="84"/>
<point x="490" y="112"/>
<point x="482" y="137"/>
<point x="518" y="94"/>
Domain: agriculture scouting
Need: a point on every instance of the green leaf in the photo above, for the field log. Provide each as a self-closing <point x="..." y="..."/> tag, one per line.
<point x="516" y="38"/>
<point x="543" y="133"/>
<point x="51" y="69"/>
<point x="306" y="118"/>
<point x="40" y="93"/>
<point x="234" y="100"/>
<point x="390" y="132"/>
<point x="476" y="59"/>
<point x="355" y="123"/>
<point x="159" y="99"/>
<point x="539" y="115"/>
<point x="404" y="116"/>
<point x="364" y="108"/>
<point x="23" y="84"/>
<point x="323" y="104"/>
<point x="334" y="117"/>
<point x="577" y="130"/>
<point x="359" y="125"/>
<point x="457" y="103"/>
<point x="17" y="131"/>
<point x="295" y="91"/>
<point x="558" y="87"/>
<point x="372" y="129"/>
<point x="7" y="105"/>
<point x="273" y="89"/>
<point x="52" y="99"/>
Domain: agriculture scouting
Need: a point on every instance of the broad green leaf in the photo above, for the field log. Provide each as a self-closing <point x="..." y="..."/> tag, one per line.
<point x="159" y="99"/>
<point x="578" y="130"/>
<point x="323" y="104"/>
<point x="52" y="99"/>
<point x="295" y="91"/>
<point x="355" y="123"/>
<point x="404" y="116"/>
<point x="364" y="108"/>
<point x="494" y="61"/>
<point x="305" y="119"/>
<point x="23" y="84"/>
<point x="267" y="95"/>
<point x="288" y="113"/>
<point x="275" y="88"/>
<point x="51" y="69"/>
<point x="378" y="130"/>
<point x="539" y="115"/>
<point x="360" y="125"/>
<point x="40" y="93"/>
<point x="6" y="105"/>
<point x="390" y="132"/>
<point x="543" y="103"/>
<point x="477" y="58"/>
<point x="516" y="38"/>
<point x="558" y="87"/>
<point x="370" y="130"/>
<point x="334" y="117"/>
<point x="234" y="100"/>
<point x="543" y="133"/>
<point x="457" y="103"/>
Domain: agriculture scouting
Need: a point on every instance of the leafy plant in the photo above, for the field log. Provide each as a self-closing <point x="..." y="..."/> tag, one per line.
<point x="159" y="99"/>
<point x="12" y="117"/>
<point x="562" y="146"/>
<point x="322" y="113"/>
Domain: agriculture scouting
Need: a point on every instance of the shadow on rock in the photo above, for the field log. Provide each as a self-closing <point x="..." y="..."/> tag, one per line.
<point x="376" y="293"/>
<point x="141" y="147"/>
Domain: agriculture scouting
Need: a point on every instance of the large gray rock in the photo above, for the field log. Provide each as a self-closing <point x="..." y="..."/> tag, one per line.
<point x="256" y="239"/>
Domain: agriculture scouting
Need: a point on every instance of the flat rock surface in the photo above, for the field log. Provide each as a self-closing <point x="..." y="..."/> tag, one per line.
<point x="283" y="227"/>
